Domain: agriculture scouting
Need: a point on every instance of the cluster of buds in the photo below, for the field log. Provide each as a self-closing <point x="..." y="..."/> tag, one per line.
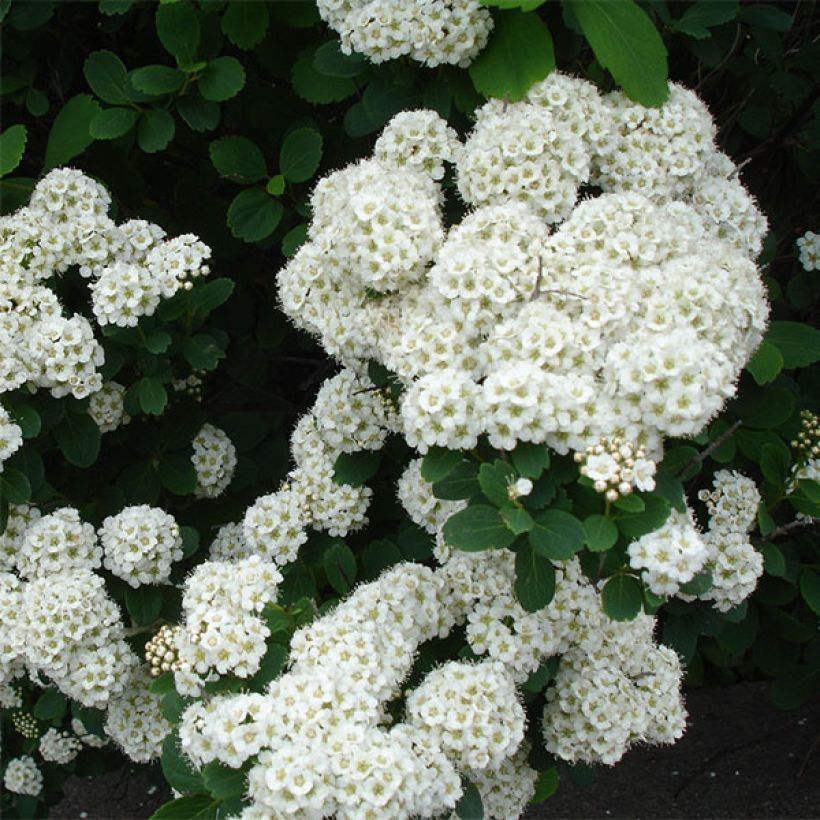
<point x="161" y="651"/>
<point x="191" y="386"/>
<point x="807" y="442"/>
<point x="26" y="724"/>
<point x="616" y="467"/>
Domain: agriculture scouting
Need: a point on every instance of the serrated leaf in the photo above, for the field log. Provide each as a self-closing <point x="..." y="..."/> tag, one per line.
<point x="300" y="154"/>
<point x="438" y="463"/>
<point x="69" y="135"/>
<point x="519" y="54"/>
<point x="632" y="503"/>
<point x="461" y="482"/>
<point x="157" y="80"/>
<point x="330" y="61"/>
<point x="773" y="561"/>
<point x="152" y="396"/>
<point x="27" y="419"/>
<point x="293" y="240"/>
<point x="494" y="480"/>
<point x="245" y="24"/>
<point x="600" y="533"/>
<point x="534" y="579"/>
<point x="318" y="88"/>
<point x="162" y="684"/>
<point x="12" y="147"/>
<point x="546" y="785"/>
<point x="222" y="79"/>
<point x="177" y="473"/>
<point x="253" y="215"/>
<point x="113" y="123"/>
<point x="173" y="705"/>
<point x="654" y="514"/>
<point x="477" y="527"/>
<point x="238" y="159"/>
<point x="199" y="115"/>
<point x="79" y="439"/>
<point x="557" y="535"/>
<point x="626" y="43"/>
<point x="177" y="769"/>
<point x="698" y="585"/>
<point x="36" y="102"/>
<point x="356" y="468"/>
<point x="202" y="352"/>
<point x="519" y="521"/>
<point x="155" y="130"/>
<point x="143" y="603"/>
<point x="209" y="296"/>
<point x="14" y="486"/>
<point x="774" y="463"/>
<point x="798" y="343"/>
<point x="158" y="341"/>
<point x="530" y="459"/>
<point x="704" y="15"/>
<point x="51" y="705"/>
<point x="190" y="541"/>
<point x="192" y="807"/>
<point x="622" y="598"/>
<point x="806" y="498"/>
<point x="107" y="75"/>
<point x="220" y="780"/>
<point x="179" y="31"/>
<point x="766" y="363"/>
<point x="339" y="564"/>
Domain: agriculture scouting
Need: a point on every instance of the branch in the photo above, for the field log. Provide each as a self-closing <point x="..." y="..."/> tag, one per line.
<point x="797" y="524"/>
<point x="710" y="449"/>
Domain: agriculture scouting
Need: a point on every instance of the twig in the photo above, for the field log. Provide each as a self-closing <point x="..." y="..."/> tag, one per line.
<point x="792" y="525"/>
<point x="710" y="449"/>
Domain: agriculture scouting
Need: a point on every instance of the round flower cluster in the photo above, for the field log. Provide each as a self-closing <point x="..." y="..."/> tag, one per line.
<point x="161" y="651"/>
<point x="733" y="561"/>
<point x="498" y="326"/>
<point x="418" y="139"/>
<point x="670" y="556"/>
<point x="808" y="247"/>
<point x="432" y="32"/>
<point x="134" y="719"/>
<point x="107" y="407"/>
<point x="141" y="543"/>
<point x="11" y="697"/>
<point x="223" y="630"/>
<point x="229" y="544"/>
<point x="214" y="460"/>
<point x="507" y="788"/>
<point x="59" y="747"/>
<point x="11" y="539"/>
<point x="131" y="267"/>
<point x="22" y="776"/>
<point x="57" y="543"/>
<point x="11" y="437"/>
<point x="616" y="467"/>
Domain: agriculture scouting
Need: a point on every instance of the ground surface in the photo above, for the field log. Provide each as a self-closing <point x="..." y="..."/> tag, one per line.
<point x="740" y="758"/>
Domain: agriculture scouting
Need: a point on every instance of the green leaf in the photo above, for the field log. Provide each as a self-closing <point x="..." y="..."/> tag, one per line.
<point x="221" y="781"/>
<point x="601" y="533"/>
<point x="143" y="603"/>
<point x="626" y="42"/>
<point x="622" y="598"/>
<point x="530" y="459"/>
<point x="330" y="61"/>
<point x="173" y="705"/>
<point x="699" y="585"/>
<point x="806" y="498"/>
<point x="114" y="7"/>
<point x="177" y="473"/>
<point x="795" y="686"/>
<point x="199" y="115"/>
<point x="461" y="482"/>
<point x="705" y="14"/>
<point x="810" y="589"/>
<point x="630" y="503"/>
<point x="207" y="297"/>
<point x="162" y="684"/>
<point x="190" y="541"/>
<point x="356" y="468"/>
<point x="202" y="352"/>
<point x="477" y="527"/>
<point x="253" y="215"/>
<point x="152" y="396"/>
<point x="318" y="88"/>
<point x="12" y="147"/>
<point x="112" y="123"/>
<point x="300" y="154"/>
<point x="14" y="486"/>
<point x="157" y="342"/>
<point x="157" y="80"/>
<point x="494" y="480"/>
<point x="69" y="135"/>
<point x="773" y="561"/>
<point x="79" y="439"/>
<point x="238" y="159"/>
<point x="108" y="77"/>
<point x="557" y="535"/>
<point x="245" y="24"/>
<point x="469" y="806"/>
<point x="534" y="579"/>
<point x="340" y="567"/>
<point x="223" y="78"/>
<point x="293" y="240"/>
<point x="766" y="363"/>
<point x="36" y="102"/>
<point x="799" y="344"/>
<point x="775" y="463"/>
<point x="766" y="16"/>
<point x="518" y="55"/>
<point x="546" y="785"/>
<point x="524" y="5"/>
<point x="438" y="463"/>
<point x="179" y="31"/>
<point x="27" y="419"/>
<point x="178" y="770"/>
<point x="519" y="521"/>
<point x="51" y="705"/>
<point x="655" y="512"/>
<point x="156" y="129"/>
<point x="193" y="807"/>
<point x="276" y="185"/>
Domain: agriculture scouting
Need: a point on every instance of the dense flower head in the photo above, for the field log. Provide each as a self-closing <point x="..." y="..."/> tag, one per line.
<point x="22" y="776"/>
<point x="59" y="747"/>
<point x="432" y="32"/>
<point x="56" y="543"/>
<point x="21" y="516"/>
<point x="808" y="247"/>
<point x="11" y="436"/>
<point x="107" y="407"/>
<point x="214" y="460"/>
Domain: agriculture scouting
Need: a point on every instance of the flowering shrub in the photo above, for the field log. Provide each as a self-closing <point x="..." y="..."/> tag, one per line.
<point x="570" y="452"/>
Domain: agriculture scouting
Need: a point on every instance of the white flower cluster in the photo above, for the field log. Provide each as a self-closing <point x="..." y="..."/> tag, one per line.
<point x="11" y="437"/>
<point x="536" y="318"/>
<point x="506" y="789"/>
<point x="731" y="558"/>
<point x="670" y="556"/>
<point x="59" y="542"/>
<point x="134" y="719"/>
<point x="141" y="543"/>
<point x="349" y="414"/>
<point x="59" y="747"/>
<point x="88" y="738"/>
<point x="214" y="460"/>
<point x="11" y="539"/>
<point x="223" y="629"/>
<point x="107" y="407"/>
<point x="22" y="776"/>
<point x="229" y="544"/>
<point x="808" y="247"/>
<point x="616" y="468"/>
<point x="416" y="496"/>
<point x="131" y="267"/>
<point x="432" y="32"/>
